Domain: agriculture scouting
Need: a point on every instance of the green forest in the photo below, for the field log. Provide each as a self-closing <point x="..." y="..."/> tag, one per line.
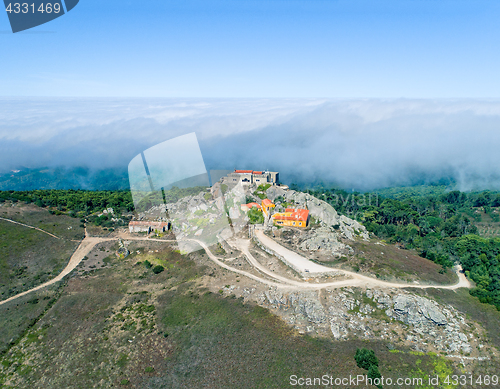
<point x="88" y="205"/>
<point x="441" y="225"/>
<point x="76" y="202"/>
<point x="83" y="204"/>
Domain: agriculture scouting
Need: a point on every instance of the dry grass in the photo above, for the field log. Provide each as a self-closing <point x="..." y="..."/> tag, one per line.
<point x="60" y="225"/>
<point x="384" y="261"/>
<point x="125" y="326"/>
<point x="29" y="257"/>
<point x="391" y="262"/>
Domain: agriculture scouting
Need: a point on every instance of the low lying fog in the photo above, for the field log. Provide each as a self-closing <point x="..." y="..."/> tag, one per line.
<point x="361" y="144"/>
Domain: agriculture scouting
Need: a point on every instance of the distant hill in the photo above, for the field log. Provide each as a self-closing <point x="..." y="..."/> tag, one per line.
<point x="22" y="179"/>
<point x="64" y="178"/>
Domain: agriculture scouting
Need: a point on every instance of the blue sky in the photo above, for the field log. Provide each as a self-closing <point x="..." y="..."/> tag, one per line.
<point x="277" y="48"/>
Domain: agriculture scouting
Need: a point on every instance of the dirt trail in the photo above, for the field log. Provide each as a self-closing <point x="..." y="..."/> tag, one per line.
<point x="243" y="244"/>
<point x="304" y="264"/>
<point x="83" y="249"/>
<point x="34" y="228"/>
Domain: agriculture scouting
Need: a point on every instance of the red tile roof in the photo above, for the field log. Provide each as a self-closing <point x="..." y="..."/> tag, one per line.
<point x="267" y="203"/>
<point x="250" y="205"/>
<point x="296" y="214"/>
<point x="247" y="171"/>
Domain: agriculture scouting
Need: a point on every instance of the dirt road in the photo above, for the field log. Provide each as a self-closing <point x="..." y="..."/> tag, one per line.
<point x="243" y="245"/>
<point x="300" y="262"/>
<point x="34" y="228"/>
<point x="83" y="249"/>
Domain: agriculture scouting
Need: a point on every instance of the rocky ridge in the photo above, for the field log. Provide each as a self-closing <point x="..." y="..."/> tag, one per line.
<point x="332" y="226"/>
<point x="392" y="315"/>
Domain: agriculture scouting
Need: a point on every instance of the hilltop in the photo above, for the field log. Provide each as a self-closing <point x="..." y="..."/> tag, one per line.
<point x="237" y="304"/>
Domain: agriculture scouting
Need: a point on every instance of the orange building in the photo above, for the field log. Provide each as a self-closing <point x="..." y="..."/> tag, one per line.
<point x="292" y="218"/>
<point x="267" y="207"/>
<point x="246" y="207"/>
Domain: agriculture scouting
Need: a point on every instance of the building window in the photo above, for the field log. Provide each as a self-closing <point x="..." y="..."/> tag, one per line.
<point x="293" y="223"/>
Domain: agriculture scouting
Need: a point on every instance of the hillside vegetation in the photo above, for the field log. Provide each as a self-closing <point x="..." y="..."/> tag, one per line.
<point x="29" y="257"/>
<point x="125" y="326"/>
<point x="434" y="222"/>
<point x="440" y="225"/>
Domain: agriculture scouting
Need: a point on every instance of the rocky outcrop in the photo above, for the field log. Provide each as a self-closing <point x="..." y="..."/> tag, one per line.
<point x="304" y="304"/>
<point x="323" y="212"/>
<point x="385" y="314"/>
<point x="414" y="310"/>
<point x="351" y="228"/>
<point x="324" y="238"/>
<point x="122" y="251"/>
<point x="275" y="191"/>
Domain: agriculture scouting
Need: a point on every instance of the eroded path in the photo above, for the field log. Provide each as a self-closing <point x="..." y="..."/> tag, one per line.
<point x="298" y="261"/>
<point x="303" y="265"/>
<point x="34" y="228"/>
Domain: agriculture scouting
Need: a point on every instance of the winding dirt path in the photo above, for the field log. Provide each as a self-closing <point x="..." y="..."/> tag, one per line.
<point x="281" y="282"/>
<point x="83" y="249"/>
<point x="302" y="263"/>
<point x="34" y="228"/>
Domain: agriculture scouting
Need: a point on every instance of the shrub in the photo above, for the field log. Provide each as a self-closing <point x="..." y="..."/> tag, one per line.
<point x="255" y="216"/>
<point x="373" y="373"/>
<point x="365" y="358"/>
<point x="158" y="269"/>
<point x="148" y="264"/>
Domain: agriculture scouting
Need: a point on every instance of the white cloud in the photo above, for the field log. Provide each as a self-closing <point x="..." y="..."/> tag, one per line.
<point x="360" y="143"/>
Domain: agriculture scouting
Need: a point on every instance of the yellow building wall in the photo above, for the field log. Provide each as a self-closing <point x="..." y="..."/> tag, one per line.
<point x="266" y="209"/>
<point x="288" y="223"/>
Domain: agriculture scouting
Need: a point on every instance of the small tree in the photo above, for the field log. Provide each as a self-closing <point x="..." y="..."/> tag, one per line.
<point x="365" y="358"/>
<point x="373" y="373"/>
<point x="255" y="216"/>
<point x="158" y="269"/>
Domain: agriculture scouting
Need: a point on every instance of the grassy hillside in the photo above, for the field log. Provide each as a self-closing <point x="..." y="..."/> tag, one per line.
<point x="18" y="316"/>
<point x="125" y="326"/>
<point x="29" y="257"/>
<point x="121" y="324"/>
<point x="392" y="263"/>
<point x="64" y="227"/>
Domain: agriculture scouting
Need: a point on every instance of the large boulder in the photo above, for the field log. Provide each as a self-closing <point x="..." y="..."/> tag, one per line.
<point x="416" y="310"/>
<point x="323" y="212"/>
<point x="323" y="238"/>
